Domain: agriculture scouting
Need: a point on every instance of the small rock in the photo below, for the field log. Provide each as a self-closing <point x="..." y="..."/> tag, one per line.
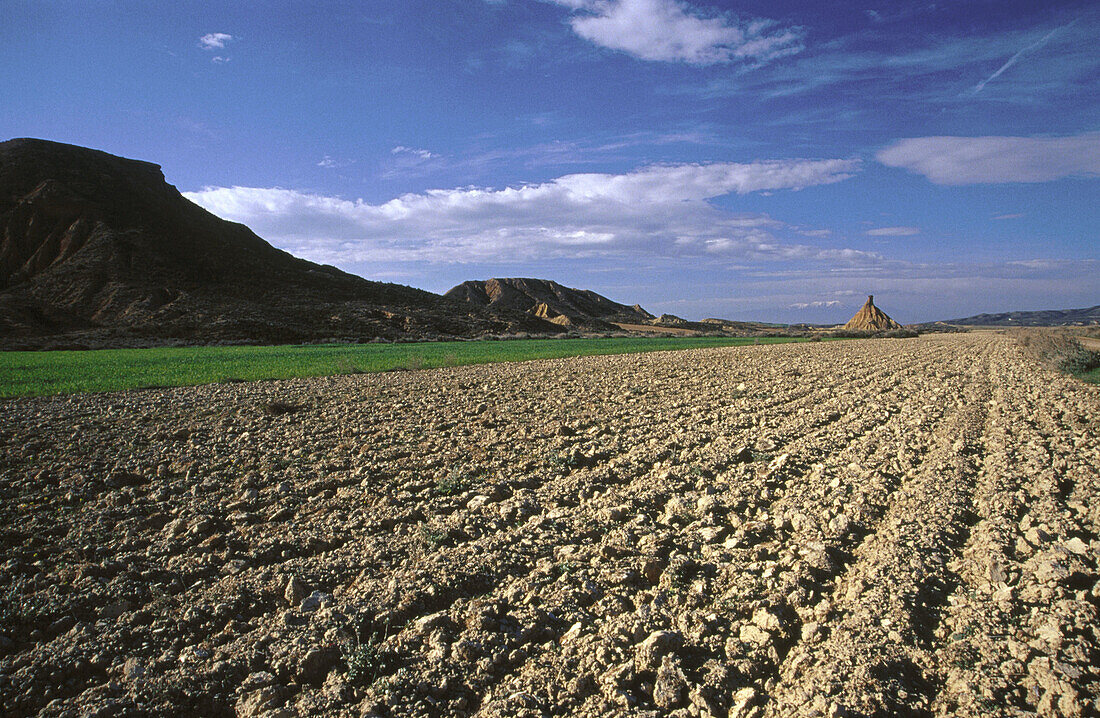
<point x="572" y="634"/>
<point x="765" y="619"/>
<point x="743" y="703"/>
<point x="1077" y="546"/>
<point x="114" y="610"/>
<point x="1051" y="572"/>
<point x="314" y="601"/>
<point x="652" y="568"/>
<point x="427" y="624"/>
<point x="754" y="635"/>
<point x="133" y="669"/>
<point x="261" y="702"/>
<point x="316" y="664"/>
<point x="1036" y="536"/>
<point x="650" y="652"/>
<point x="668" y="689"/>
<point x="741" y="455"/>
<point x="477" y="502"/>
<point x="295" y="591"/>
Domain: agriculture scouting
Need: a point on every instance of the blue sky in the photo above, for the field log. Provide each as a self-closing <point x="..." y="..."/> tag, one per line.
<point x="758" y="160"/>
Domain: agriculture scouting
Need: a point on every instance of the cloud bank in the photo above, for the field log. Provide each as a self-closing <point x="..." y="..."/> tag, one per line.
<point x="893" y="231"/>
<point x="673" y="31"/>
<point x="816" y="304"/>
<point x="973" y="160"/>
<point x="660" y="210"/>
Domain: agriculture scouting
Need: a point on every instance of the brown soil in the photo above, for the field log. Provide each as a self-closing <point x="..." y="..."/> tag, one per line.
<point x="891" y="527"/>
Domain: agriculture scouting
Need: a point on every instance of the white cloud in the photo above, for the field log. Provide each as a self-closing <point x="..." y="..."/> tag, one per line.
<point x="1015" y="215"/>
<point x="214" y="40"/>
<point x="673" y="31"/>
<point x="422" y="154"/>
<point x="660" y="210"/>
<point x="815" y="305"/>
<point x="893" y="231"/>
<point x="971" y="160"/>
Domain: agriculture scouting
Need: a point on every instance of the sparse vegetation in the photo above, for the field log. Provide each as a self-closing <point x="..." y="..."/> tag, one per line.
<point x="454" y="483"/>
<point x="1062" y="349"/>
<point x="66" y="372"/>
<point x="364" y="659"/>
<point x="277" y="408"/>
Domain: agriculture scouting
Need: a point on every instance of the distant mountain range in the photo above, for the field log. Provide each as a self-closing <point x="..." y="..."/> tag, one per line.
<point x="1041" y="318"/>
<point x="98" y="250"/>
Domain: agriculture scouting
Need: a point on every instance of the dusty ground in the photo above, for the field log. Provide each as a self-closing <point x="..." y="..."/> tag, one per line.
<point x="887" y="527"/>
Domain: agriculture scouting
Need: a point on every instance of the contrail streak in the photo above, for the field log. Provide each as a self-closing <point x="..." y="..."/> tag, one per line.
<point x="1012" y="60"/>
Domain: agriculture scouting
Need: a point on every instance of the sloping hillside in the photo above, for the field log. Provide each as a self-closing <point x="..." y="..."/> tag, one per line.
<point x="546" y="299"/>
<point x="100" y="250"/>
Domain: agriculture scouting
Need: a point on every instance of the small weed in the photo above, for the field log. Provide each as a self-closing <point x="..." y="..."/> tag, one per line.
<point x="454" y="483"/>
<point x="564" y="567"/>
<point x="563" y="461"/>
<point x="278" y="408"/>
<point x="433" y="537"/>
<point x="364" y="659"/>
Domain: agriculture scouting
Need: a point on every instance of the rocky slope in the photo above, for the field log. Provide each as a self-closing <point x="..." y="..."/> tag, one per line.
<point x="99" y="249"/>
<point x="894" y="527"/>
<point x="546" y="299"/>
<point x="870" y="318"/>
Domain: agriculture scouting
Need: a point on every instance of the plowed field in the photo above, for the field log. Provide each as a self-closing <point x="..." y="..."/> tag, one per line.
<point x="882" y="527"/>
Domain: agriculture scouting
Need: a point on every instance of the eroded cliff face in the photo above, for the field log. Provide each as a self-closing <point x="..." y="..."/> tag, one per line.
<point x="90" y="242"/>
<point x="548" y="299"/>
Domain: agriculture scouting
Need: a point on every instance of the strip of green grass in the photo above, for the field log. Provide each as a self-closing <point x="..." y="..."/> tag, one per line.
<point x="66" y="372"/>
<point x="1092" y="376"/>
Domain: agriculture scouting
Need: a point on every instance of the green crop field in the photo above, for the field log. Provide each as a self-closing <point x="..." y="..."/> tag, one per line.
<point x="65" y="372"/>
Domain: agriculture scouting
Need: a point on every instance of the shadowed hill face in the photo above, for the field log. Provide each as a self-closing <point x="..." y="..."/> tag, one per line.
<point x="94" y="242"/>
<point x="1041" y="318"/>
<point x="549" y="300"/>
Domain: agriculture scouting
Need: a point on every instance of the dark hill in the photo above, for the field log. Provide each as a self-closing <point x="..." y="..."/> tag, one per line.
<point x="100" y="250"/>
<point x="1041" y="318"/>
<point x="581" y="308"/>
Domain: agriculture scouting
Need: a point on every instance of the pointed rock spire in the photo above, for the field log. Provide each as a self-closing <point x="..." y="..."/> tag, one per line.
<point x="871" y="319"/>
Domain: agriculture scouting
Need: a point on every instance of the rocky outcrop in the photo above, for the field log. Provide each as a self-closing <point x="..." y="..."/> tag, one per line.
<point x="97" y="249"/>
<point x="871" y="319"/>
<point x="547" y="299"/>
